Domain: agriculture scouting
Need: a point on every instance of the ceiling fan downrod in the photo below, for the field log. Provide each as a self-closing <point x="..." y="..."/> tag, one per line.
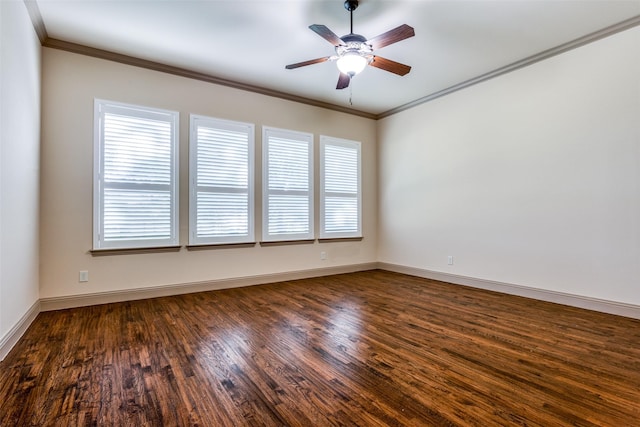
<point x="351" y="5"/>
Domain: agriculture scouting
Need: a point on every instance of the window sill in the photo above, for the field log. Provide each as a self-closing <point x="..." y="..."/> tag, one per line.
<point x="340" y="239"/>
<point x="127" y="251"/>
<point x="208" y="246"/>
<point x="287" y="242"/>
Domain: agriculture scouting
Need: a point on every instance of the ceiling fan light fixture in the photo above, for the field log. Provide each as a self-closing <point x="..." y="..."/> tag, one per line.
<point x="354" y="51"/>
<point x="351" y="63"/>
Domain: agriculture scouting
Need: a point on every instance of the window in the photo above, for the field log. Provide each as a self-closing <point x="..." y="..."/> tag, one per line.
<point x="221" y="176"/>
<point x="287" y="167"/>
<point x="135" y="176"/>
<point x="340" y="188"/>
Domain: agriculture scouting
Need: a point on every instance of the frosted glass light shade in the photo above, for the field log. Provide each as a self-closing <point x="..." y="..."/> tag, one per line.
<point x="351" y="63"/>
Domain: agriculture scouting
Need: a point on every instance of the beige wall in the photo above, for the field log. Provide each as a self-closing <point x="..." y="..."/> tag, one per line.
<point x="70" y="84"/>
<point x="19" y="164"/>
<point x="531" y="178"/>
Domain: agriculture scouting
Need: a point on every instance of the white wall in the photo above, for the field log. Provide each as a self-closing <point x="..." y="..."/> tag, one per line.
<point x="531" y="178"/>
<point x="70" y="84"/>
<point x="19" y="164"/>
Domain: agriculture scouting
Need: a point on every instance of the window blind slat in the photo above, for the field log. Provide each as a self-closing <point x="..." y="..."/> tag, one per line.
<point x="288" y="189"/>
<point x="341" y="169"/>
<point x="221" y="214"/>
<point x="136" y="149"/>
<point x="288" y="164"/>
<point x="288" y="215"/>
<point x="135" y="184"/>
<point x="341" y="214"/>
<point x="340" y="191"/>
<point x="222" y="158"/>
<point x="136" y="214"/>
<point x="221" y="209"/>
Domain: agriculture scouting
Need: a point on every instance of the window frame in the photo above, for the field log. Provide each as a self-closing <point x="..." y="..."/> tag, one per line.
<point x="341" y="142"/>
<point x="303" y="138"/>
<point x="101" y="108"/>
<point x="249" y="128"/>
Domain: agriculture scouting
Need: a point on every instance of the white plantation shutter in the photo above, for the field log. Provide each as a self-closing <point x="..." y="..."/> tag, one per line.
<point x="340" y="188"/>
<point x="135" y="178"/>
<point x="287" y="185"/>
<point x="221" y="177"/>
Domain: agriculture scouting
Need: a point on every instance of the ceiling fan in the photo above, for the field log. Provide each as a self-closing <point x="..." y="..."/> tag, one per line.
<point x="354" y="52"/>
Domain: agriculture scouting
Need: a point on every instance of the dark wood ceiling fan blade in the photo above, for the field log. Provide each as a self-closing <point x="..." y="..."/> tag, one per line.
<point x="402" y="32"/>
<point x="389" y="65"/>
<point x="305" y="63"/>
<point x="326" y="34"/>
<point x="343" y="81"/>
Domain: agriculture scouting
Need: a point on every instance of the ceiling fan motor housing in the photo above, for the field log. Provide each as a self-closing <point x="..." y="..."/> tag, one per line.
<point x="353" y="38"/>
<point x="354" y="44"/>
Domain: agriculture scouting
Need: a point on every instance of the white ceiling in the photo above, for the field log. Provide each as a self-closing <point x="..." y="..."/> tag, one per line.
<point x="251" y="41"/>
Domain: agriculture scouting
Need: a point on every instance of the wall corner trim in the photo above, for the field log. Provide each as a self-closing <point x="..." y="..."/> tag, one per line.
<point x="36" y="19"/>
<point x="14" y="334"/>
<point x="579" y="301"/>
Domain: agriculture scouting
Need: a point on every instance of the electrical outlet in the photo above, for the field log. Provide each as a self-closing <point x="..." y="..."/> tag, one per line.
<point x="83" y="276"/>
<point x="450" y="260"/>
<point x="323" y="255"/>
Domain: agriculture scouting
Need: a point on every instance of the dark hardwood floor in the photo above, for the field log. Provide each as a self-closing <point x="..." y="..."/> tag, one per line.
<point x="367" y="349"/>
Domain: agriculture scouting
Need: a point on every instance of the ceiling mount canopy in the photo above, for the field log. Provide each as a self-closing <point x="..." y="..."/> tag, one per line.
<point x="351" y="5"/>
<point x="354" y="52"/>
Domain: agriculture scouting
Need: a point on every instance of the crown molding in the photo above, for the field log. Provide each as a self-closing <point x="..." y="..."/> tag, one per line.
<point x="46" y="41"/>
<point x="541" y="56"/>
<point x="183" y="72"/>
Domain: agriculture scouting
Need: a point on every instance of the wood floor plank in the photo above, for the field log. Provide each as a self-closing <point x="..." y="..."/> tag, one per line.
<point x="364" y="349"/>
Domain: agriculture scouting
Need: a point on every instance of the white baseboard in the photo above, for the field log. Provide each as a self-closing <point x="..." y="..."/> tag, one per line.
<point x="11" y="338"/>
<point x="60" y="303"/>
<point x="595" y="304"/>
